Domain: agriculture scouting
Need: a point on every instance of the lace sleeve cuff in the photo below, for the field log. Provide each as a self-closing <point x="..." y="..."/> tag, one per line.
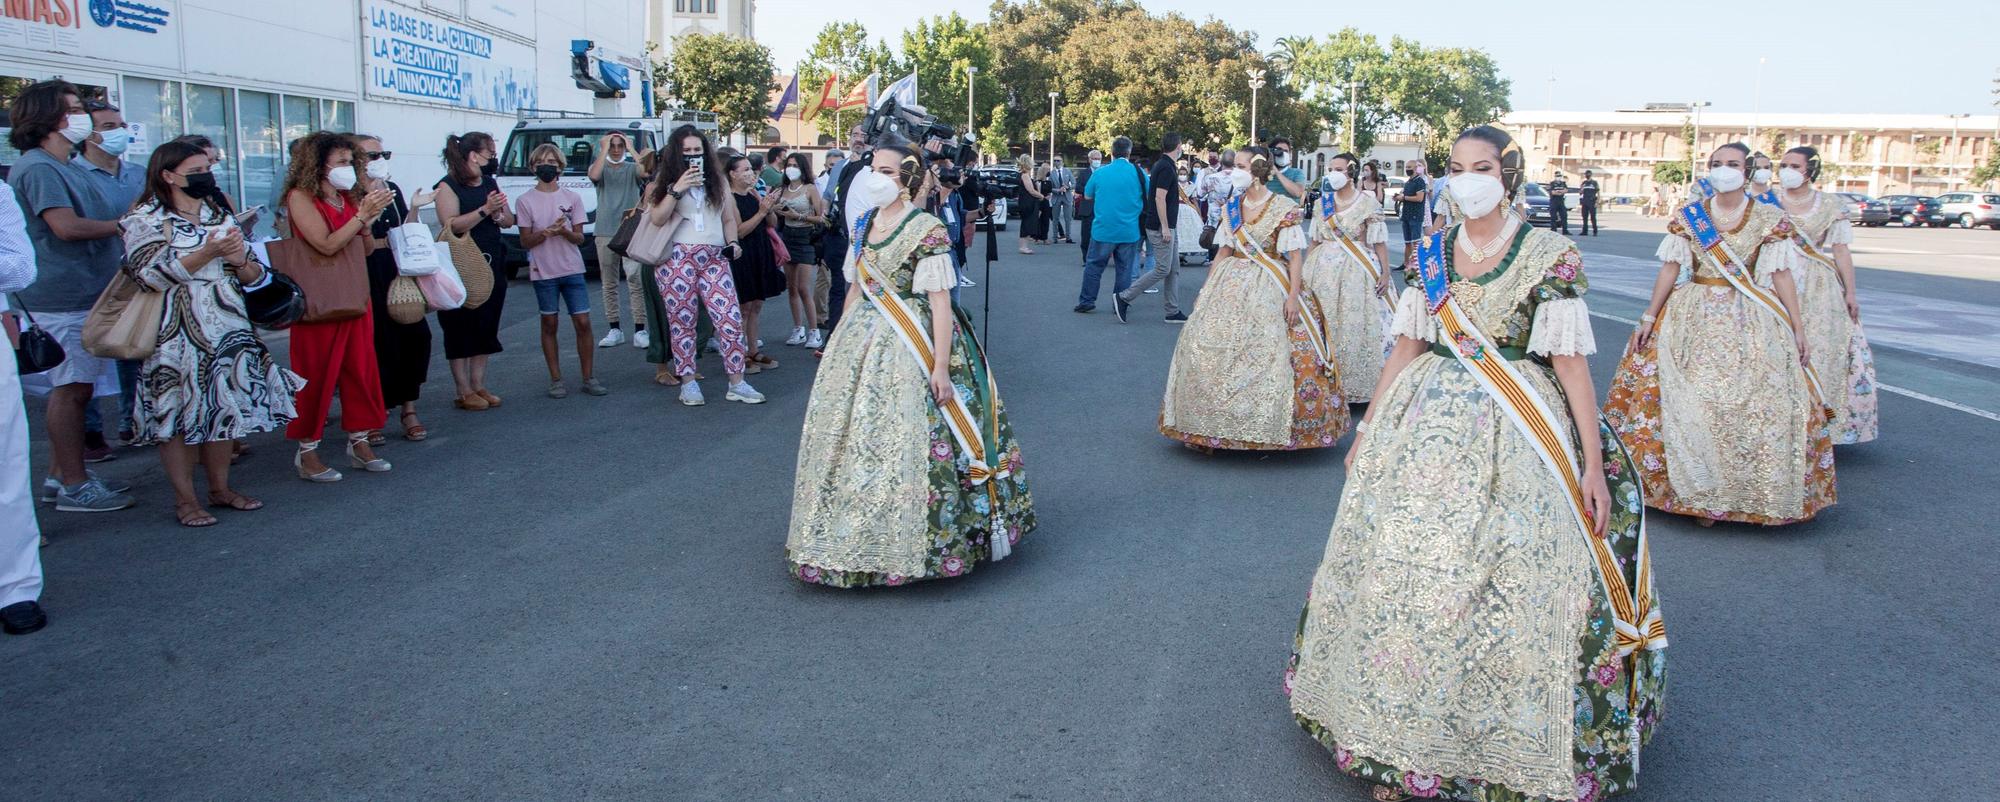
<point x="1842" y="233"/>
<point x="847" y="267"/>
<point x="1674" y="249"/>
<point x="1292" y="238"/>
<point x="1377" y="233"/>
<point x="1412" y="320"/>
<point x="1562" y="328"/>
<point x="934" y="274"/>
<point x="1774" y="257"/>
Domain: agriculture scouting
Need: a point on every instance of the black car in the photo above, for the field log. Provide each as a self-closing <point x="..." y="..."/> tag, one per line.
<point x="1865" y="210"/>
<point x="1537" y="200"/>
<point x="1915" y="210"/>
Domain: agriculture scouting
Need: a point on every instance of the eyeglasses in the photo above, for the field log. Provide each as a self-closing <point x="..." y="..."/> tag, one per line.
<point x="378" y="154"/>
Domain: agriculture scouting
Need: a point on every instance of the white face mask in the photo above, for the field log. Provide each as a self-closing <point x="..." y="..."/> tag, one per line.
<point x="1725" y="179"/>
<point x="1791" y="178"/>
<point x="1284" y="159"/>
<point x="1478" y="194"/>
<point x="1240" y="179"/>
<point x="874" y="190"/>
<point x="791" y="173"/>
<point x="1762" y="176"/>
<point x="76" y="128"/>
<point x="342" y="178"/>
<point x="1336" y="181"/>
<point x="378" y="169"/>
<point x="1095" y="162"/>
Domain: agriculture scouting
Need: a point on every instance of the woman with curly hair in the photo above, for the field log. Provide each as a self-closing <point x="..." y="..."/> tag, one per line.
<point x="327" y="214"/>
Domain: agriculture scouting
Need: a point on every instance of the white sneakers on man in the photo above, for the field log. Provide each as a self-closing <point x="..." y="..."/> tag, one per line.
<point x="816" y="340"/>
<point x="640" y="339"/>
<point x="798" y="336"/>
<point x="614" y="337"/>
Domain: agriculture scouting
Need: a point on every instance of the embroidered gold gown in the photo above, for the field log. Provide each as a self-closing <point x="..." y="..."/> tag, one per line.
<point x="1457" y="642"/>
<point x="884" y="495"/>
<point x="1241" y="377"/>
<point x="1835" y="342"/>
<point x="1717" y="410"/>
<point x="1357" y="320"/>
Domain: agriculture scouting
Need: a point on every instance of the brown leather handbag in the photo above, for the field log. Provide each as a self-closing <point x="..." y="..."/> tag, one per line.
<point x="336" y="287"/>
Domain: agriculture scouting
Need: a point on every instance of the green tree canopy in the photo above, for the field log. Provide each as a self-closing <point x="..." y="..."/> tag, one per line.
<point x="1439" y="91"/>
<point x="725" y="74"/>
<point x="1671" y="174"/>
<point x="939" y="49"/>
<point x="843" y="49"/>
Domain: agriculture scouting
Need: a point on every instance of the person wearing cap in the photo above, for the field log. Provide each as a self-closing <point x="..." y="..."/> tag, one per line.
<point x="1559" y="204"/>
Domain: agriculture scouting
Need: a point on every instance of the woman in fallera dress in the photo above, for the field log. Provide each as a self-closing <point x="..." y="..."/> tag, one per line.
<point x="1344" y="269"/>
<point x="1713" y="396"/>
<point x="1482" y="626"/>
<point x="1251" y="370"/>
<point x="907" y="467"/>
<point x="1834" y="339"/>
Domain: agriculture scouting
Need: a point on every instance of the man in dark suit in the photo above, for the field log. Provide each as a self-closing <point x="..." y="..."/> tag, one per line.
<point x="1559" y="204"/>
<point x="1084" y="207"/>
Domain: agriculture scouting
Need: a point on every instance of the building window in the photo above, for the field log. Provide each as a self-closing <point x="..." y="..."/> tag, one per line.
<point x="680" y="6"/>
<point x="711" y="6"/>
<point x="211" y="112"/>
<point x="263" y="162"/>
<point x="156" y="105"/>
<point x="339" y="115"/>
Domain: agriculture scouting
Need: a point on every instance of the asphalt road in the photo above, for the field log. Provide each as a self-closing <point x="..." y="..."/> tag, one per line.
<point x="585" y="599"/>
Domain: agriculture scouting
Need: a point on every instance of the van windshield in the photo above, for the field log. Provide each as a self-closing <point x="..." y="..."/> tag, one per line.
<point x="578" y="145"/>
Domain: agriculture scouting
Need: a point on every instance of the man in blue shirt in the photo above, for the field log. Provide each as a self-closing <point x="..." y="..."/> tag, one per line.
<point x="1117" y="193"/>
<point x="121" y="182"/>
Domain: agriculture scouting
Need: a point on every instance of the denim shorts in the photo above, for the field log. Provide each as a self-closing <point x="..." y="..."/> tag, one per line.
<point x="1413" y="229"/>
<point x="572" y="290"/>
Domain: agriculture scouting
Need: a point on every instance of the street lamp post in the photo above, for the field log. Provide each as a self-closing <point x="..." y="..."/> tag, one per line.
<point x="1757" y="100"/>
<point x="1694" y="148"/>
<point x="1352" y="86"/>
<point x="1052" y="126"/>
<point x="971" y="73"/>
<point x="1256" y="83"/>
<point x="1951" y="161"/>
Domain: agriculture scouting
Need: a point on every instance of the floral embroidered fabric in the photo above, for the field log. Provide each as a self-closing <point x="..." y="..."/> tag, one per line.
<point x="1834" y="341"/>
<point x="1357" y="321"/>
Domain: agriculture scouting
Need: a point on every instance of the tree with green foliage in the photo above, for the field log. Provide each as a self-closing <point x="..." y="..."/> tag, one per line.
<point x="1671" y="174"/>
<point x="1988" y="172"/>
<point x="939" y="49"/>
<point x="1439" y="91"/>
<point x="725" y="74"/>
<point x="843" y="49"/>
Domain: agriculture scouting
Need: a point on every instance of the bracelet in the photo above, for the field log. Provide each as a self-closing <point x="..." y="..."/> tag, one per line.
<point x="1646" y="318"/>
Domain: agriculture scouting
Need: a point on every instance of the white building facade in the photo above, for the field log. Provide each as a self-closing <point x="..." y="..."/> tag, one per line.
<point x="666" y="19"/>
<point x="253" y="75"/>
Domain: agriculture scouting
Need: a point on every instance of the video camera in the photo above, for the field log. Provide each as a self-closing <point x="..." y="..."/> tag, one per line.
<point x="895" y="123"/>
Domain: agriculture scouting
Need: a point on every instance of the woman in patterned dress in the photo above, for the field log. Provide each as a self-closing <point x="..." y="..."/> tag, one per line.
<point x="1834" y="339"/>
<point x="1357" y="317"/>
<point x="1247" y="373"/>
<point x="889" y="490"/>
<point x="1711" y="396"/>
<point x="211" y="380"/>
<point x="1459" y="641"/>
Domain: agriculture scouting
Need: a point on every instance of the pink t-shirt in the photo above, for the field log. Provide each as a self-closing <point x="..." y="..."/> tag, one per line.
<point x="555" y="257"/>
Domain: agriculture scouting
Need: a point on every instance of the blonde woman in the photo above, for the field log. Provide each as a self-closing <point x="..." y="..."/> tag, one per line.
<point x="1033" y="200"/>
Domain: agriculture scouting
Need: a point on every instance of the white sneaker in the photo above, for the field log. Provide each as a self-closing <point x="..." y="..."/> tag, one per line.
<point x="691" y="393"/>
<point x="798" y="336"/>
<point x="1153" y="291"/>
<point x="614" y="337"/>
<point x="714" y="347"/>
<point x="742" y="391"/>
<point x="966" y="282"/>
<point x="816" y="340"/>
<point x="641" y="338"/>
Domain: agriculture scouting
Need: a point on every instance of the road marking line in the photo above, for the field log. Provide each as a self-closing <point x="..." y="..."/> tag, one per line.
<point x="1902" y="391"/>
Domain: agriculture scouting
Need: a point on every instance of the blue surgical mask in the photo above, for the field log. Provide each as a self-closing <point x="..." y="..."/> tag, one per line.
<point x="116" y="140"/>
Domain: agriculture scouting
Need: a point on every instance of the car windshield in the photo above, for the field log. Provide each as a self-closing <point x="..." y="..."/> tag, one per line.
<point x="1536" y="191"/>
<point x="579" y="147"/>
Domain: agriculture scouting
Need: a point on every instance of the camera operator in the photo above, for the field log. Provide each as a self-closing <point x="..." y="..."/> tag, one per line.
<point x="949" y="206"/>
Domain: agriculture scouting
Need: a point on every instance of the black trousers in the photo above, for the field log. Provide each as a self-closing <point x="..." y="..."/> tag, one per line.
<point x="1558" y="215"/>
<point x="1590" y="224"/>
<point x="1083" y="225"/>
<point x="833" y="252"/>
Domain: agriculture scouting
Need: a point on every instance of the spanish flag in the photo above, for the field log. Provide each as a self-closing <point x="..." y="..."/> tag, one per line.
<point x="821" y="100"/>
<point x="862" y="95"/>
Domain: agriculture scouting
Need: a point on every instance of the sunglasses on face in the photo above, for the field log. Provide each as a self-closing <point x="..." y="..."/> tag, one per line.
<point x="377" y="154"/>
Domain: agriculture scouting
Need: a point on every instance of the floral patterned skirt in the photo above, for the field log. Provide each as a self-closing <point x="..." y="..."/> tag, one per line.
<point x="1728" y="374"/>
<point x="883" y="496"/>
<point x="1357" y="321"/>
<point x="1860" y="419"/>
<point x="1456" y="642"/>
<point x="1319" y="412"/>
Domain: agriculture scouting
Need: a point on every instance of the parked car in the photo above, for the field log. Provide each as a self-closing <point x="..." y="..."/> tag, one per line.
<point x="1537" y="200"/>
<point x="1912" y="210"/>
<point x="1865" y="210"/>
<point x="1971" y="209"/>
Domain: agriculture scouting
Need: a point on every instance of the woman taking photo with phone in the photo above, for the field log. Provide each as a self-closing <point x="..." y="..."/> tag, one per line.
<point x="327" y="211"/>
<point x="690" y="197"/>
<point x="211" y="380"/>
<point x="470" y="202"/>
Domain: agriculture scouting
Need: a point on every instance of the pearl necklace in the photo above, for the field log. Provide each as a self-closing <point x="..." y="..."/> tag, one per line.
<point x="1492" y="248"/>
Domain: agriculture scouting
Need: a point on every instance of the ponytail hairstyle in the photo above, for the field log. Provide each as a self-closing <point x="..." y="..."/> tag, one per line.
<point x="1736" y="146"/>
<point x="1513" y="162"/>
<point x="1353" y="169"/>
<point x="1813" y="162"/>
<point x="1260" y="163"/>
<point x="458" y="150"/>
<point x="673" y="164"/>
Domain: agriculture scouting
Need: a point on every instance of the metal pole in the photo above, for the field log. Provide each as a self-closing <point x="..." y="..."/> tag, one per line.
<point x="1256" y="83"/>
<point x="1757" y="101"/>
<point x="1351" y="86"/>
<point x="1052" y="126"/>
<point x="971" y="74"/>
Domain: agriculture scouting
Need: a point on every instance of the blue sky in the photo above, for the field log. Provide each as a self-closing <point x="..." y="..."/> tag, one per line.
<point x="1920" y="57"/>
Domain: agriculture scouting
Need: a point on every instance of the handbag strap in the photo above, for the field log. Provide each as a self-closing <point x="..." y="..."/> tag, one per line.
<point x="17" y="306"/>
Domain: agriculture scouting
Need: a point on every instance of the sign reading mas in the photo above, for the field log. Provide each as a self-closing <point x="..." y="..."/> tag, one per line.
<point x="421" y="57"/>
<point x="113" y="30"/>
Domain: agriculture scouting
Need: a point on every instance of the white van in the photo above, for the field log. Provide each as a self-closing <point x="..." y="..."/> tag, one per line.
<point x="577" y="136"/>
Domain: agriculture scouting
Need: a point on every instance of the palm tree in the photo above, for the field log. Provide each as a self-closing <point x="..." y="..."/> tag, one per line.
<point x="1291" y="50"/>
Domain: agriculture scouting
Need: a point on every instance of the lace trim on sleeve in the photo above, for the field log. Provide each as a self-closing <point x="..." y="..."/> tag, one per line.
<point x="1840" y="233"/>
<point x="1377" y="233"/>
<point x="1292" y="238"/>
<point x="1412" y="320"/>
<point x="1674" y="249"/>
<point x="1562" y="328"/>
<point x="1773" y="257"/>
<point x="935" y="274"/>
